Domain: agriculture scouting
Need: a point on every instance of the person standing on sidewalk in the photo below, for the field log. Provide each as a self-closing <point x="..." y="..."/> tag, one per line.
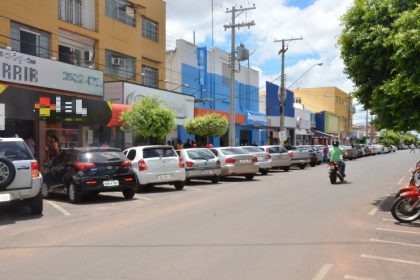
<point x="412" y="148"/>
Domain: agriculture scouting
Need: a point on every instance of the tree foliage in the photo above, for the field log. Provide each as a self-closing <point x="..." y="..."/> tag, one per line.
<point x="149" y="118"/>
<point x="207" y="125"/>
<point x="380" y="46"/>
<point x="390" y="137"/>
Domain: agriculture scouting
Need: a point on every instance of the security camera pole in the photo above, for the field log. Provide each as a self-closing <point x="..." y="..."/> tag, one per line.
<point x="282" y="80"/>
<point x="234" y="25"/>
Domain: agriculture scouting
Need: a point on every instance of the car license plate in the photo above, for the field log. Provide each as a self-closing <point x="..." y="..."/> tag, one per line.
<point x="206" y="172"/>
<point x="111" y="183"/>
<point x="260" y="158"/>
<point x="5" y="197"/>
<point x="164" y="177"/>
<point x="244" y="161"/>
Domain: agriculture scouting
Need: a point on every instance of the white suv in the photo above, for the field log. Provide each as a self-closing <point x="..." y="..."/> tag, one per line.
<point x="20" y="179"/>
<point x="158" y="164"/>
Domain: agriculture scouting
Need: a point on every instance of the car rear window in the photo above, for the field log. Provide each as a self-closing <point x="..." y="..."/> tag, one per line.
<point x="15" y="150"/>
<point x="234" y="151"/>
<point x="200" y="154"/>
<point x="159" y="152"/>
<point x="274" y="150"/>
<point x="253" y="149"/>
<point x="102" y="156"/>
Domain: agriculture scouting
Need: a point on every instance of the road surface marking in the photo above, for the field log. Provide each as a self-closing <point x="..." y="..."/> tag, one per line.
<point x="401" y="180"/>
<point x="388" y="220"/>
<point x="390" y="260"/>
<point x="374" y="210"/>
<point x="396" y="230"/>
<point x="322" y="272"/>
<point x="143" y="197"/>
<point x="63" y="211"/>
<point x="395" y="243"/>
<point x="351" y="277"/>
<point x="193" y="189"/>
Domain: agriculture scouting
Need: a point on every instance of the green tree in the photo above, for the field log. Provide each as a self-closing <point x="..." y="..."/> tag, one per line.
<point x="408" y="138"/>
<point x="207" y="125"/>
<point x="380" y="46"/>
<point x="149" y="118"/>
<point x="390" y="137"/>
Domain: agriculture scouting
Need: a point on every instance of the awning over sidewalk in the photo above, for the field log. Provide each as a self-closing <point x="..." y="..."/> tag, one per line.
<point x="320" y="133"/>
<point x="117" y="109"/>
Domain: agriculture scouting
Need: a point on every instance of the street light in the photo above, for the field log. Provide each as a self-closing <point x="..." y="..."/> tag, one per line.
<point x="304" y="73"/>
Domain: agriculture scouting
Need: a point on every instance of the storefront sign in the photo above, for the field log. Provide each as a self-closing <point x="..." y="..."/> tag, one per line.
<point x="36" y="71"/>
<point x="2" y="117"/>
<point x="256" y="118"/>
<point x="181" y="104"/>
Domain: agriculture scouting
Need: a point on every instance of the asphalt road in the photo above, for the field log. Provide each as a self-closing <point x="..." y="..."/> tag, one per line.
<point x="286" y="225"/>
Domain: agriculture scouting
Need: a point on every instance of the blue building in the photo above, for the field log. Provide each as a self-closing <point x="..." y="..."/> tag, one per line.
<point x="205" y="74"/>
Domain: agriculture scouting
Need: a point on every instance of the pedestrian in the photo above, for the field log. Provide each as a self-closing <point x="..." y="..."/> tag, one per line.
<point x="194" y="144"/>
<point x="187" y="144"/>
<point x="412" y="148"/>
<point x="179" y="145"/>
<point x="325" y="151"/>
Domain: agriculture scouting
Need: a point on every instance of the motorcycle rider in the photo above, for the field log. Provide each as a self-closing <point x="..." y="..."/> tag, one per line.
<point x="336" y="155"/>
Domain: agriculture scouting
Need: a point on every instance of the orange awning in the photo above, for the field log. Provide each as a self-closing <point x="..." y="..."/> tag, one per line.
<point x="117" y="109"/>
<point x="239" y="118"/>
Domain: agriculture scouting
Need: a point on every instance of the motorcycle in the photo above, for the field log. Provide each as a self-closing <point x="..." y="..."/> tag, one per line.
<point x="334" y="172"/>
<point x="414" y="183"/>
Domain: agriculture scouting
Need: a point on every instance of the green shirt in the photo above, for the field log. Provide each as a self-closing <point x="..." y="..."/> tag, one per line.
<point x="336" y="154"/>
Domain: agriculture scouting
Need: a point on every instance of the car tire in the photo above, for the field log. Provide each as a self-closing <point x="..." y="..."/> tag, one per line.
<point x="302" y="166"/>
<point x="179" y="185"/>
<point x="74" y="197"/>
<point x="215" y="179"/>
<point x="129" y="193"/>
<point x="264" y="171"/>
<point x="44" y="191"/>
<point x="7" y="173"/>
<point x="36" y="204"/>
<point x="249" y="177"/>
<point x="287" y="168"/>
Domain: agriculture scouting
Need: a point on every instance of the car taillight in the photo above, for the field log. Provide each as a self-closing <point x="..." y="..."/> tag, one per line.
<point x="181" y="162"/>
<point x="142" y="165"/>
<point x="130" y="179"/>
<point x="189" y="164"/>
<point x="81" y="165"/>
<point x="126" y="163"/>
<point x="230" y="160"/>
<point x="291" y="154"/>
<point x="268" y="156"/>
<point x="34" y="169"/>
<point x="254" y="159"/>
<point x="218" y="162"/>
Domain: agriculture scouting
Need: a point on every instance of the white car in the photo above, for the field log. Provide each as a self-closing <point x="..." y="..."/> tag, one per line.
<point x="200" y="163"/>
<point x="157" y="164"/>
<point x="20" y="179"/>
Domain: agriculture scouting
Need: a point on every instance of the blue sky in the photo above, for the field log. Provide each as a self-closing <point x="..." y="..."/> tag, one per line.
<point x="317" y="21"/>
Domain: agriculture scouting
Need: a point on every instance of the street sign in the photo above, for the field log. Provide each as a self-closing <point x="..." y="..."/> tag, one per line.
<point x="282" y="135"/>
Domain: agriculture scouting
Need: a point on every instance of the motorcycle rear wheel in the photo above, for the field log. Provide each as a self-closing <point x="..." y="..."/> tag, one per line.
<point x="400" y="210"/>
<point x="333" y="178"/>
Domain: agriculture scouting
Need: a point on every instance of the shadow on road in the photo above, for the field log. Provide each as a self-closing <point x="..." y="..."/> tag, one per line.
<point x="15" y="213"/>
<point x="384" y="204"/>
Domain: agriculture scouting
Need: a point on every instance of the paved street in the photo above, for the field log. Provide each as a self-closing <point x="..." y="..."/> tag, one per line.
<point x="286" y="225"/>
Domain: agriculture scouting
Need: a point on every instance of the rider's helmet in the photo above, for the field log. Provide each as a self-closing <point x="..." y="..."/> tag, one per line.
<point x="335" y="143"/>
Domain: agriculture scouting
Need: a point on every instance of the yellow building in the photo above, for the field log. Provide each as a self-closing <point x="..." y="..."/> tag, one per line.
<point x="124" y="39"/>
<point x="330" y="99"/>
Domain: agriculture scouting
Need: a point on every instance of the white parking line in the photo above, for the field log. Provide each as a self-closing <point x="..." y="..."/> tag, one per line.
<point x="395" y="243"/>
<point x="390" y="259"/>
<point x="374" y="210"/>
<point x="399" y="231"/>
<point x="322" y="272"/>
<point x="351" y="277"/>
<point x="63" y="211"/>
<point x="143" y="197"/>
<point x="401" y="180"/>
<point x="388" y="220"/>
<point x="193" y="189"/>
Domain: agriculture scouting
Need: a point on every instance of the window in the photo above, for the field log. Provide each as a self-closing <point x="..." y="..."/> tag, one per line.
<point x="150" y="76"/>
<point x="298" y="100"/>
<point x="29" y="40"/>
<point x="150" y="30"/>
<point x="120" y="65"/>
<point x="71" y="11"/>
<point x="121" y="10"/>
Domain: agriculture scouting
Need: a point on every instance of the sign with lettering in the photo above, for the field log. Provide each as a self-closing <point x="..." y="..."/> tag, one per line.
<point x="256" y="118"/>
<point x="31" y="70"/>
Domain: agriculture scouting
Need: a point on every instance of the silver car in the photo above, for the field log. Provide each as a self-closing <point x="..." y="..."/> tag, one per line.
<point x="279" y="156"/>
<point x="20" y="179"/>
<point x="157" y="164"/>
<point x="236" y="162"/>
<point x="264" y="158"/>
<point x="200" y="163"/>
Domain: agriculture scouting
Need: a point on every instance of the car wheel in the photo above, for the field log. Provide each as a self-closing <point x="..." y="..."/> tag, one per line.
<point x="302" y="166"/>
<point x="36" y="204"/>
<point x="74" y="196"/>
<point x="249" y="177"/>
<point x="7" y="173"/>
<point x="44" y="190"/>
<point x="287" y="168"/>
<point x="129" y="193"/>
<point x="179" y="185"/>
<point x="188" y="181"/>
<point x="313" y="164"/>
<point x="264" y="171"/>
<point x="215" y="179"/>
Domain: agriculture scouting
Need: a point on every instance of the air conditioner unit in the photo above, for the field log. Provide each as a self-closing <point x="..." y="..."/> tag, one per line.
<point x="117" y="61"/>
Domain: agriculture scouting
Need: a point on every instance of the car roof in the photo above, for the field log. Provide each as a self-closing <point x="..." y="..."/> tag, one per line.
<point x="10" y="139"/>
<point x="151" y="146"/>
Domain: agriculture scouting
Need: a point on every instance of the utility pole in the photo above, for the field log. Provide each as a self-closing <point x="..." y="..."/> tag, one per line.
<point x="282" y="81"/>
<point x="234" y="25"/>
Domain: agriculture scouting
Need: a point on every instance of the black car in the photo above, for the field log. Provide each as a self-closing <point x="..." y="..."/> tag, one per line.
<point x="81" y="171"/>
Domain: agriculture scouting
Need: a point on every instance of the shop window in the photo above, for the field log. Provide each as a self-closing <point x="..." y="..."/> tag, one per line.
<point x="121" y="10"/>
<point x="150" y="29"/>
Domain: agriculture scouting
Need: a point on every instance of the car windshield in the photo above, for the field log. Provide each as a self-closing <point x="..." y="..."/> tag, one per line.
<point x="200" y="154"/>
<point x="252" y="149"/>
<point x="158" y="152"/>
<point x="102" y="156"/>
<point x="15" y="150"/>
